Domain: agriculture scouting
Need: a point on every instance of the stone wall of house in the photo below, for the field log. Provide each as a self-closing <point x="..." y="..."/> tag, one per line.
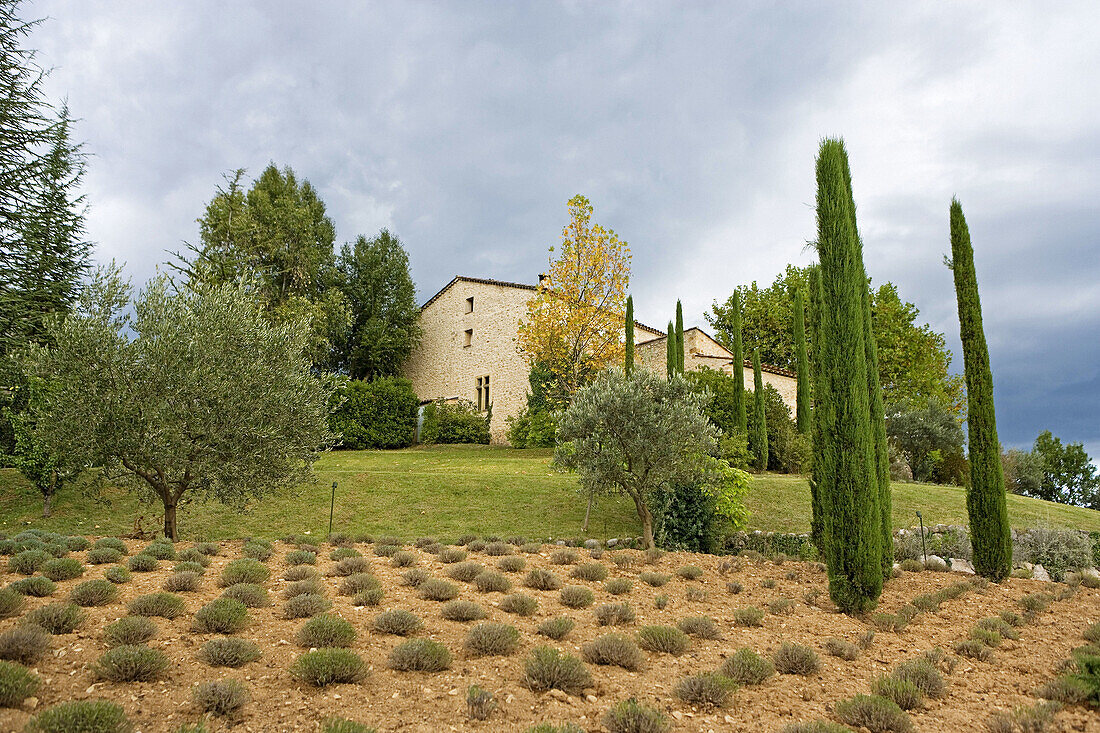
<point x="442" y="366"/>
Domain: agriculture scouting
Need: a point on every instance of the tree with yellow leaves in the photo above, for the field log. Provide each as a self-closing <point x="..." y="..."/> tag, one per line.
<point x="574" y="326"/>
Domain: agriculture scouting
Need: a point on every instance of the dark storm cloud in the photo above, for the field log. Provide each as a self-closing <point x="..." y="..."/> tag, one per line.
<point x="465" y="127"/>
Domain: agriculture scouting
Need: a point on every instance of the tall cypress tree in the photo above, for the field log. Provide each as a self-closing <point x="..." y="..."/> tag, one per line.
<point x="679" y="338"/>
<point x="985" y="499"/>
<point x="848" y="487"/>
<point x="759" y="439"/>
<point x="670" y="350"/>
<point x="802" y="393"/>
<point x="628" y="358"/>
<point x="740" y="411"/>
<point x="822" y="461"/>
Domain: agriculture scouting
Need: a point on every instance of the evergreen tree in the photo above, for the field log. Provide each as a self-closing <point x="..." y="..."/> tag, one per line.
<point x="802" y="395"/>
<point x="758" y="442"/>
<point x="739" y="408"/>
<point x="679" y="338"/>
<point x="628" y="359"/>
<point x="847" y="486"/>
<point x="670" y="351"/>
<point x="985" y="498"/>
<point x="822" y="462"/>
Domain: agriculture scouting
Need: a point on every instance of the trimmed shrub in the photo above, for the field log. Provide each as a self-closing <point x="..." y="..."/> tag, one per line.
<point x="576" y="596"/>
<point x="81" y="716"/>
<point x="131" y="663"/>
<point x="453" y="422"/>
<point x="221" y="616"/>
<point x="653" y="579"/>
<point x="117" y="574"/>
<point x="301" y="572"/>
<point x="419" y="655"/>
<point x="193" y="555"/>
<point x="413" y="578"/>
<point x="403" y="559"/>
<point x="690" y="572"/>
<point x="498" y="549"/>
<point x="143" y="563"/>
<point x="479" y="703"/>
<point x="301" y="557"/>
<point x="359" y="582"/>
<point x="184" y="582"/>
<point x="815" y="726"/>
<point x="902" y="692"/>
<point x="257" y="551"/>
<point x="352" y="565"/>
<point x="1066" y="690"/>
<point x="986" y="636"/>
<point x="877" y="714"/>
<point x="56" y="618"/>
<point x="889" y="622"/>
<point x="627" y="716"/>
<point x="665" y="639"/>
<point x="160" y="549"/>
<point x="451" y="555"/>
<point x="491" y="639"/>
<point x="746" y="667"/>
<point x="16" y="684"/>
<point x="436" y="589"/>
<point x="519" y="604"/>
<point x="922" y="672"/>
<point x="77" y="543"/>
<point x="103" y="556"/>
<point x="343" y="725"/>
<point x="250" y="594"/>
<point x="702" y="626"/>
<point x="618" y="586"/>
<point x="129" y="631"/>
<point x="462" y="611"/>
<point x="540" y="579"/>
<point x="661" y="602"/>
<point x="24" y="644"/>
<point x="113" y="543"/>
<point x="28" y="562"/>
<point x="302" y="587"/>
<point x="564" y="556"/>
<point x="36" y="585"/>
<point x="189" y="567"/>
<point x="1036" y="602"/>
<point x="614" y="614"/>
<point x="229" y="651"/>
<point x="11" y="602"/>
<point x="748" y="616"/>
<point x="223" y="698"/>
<point x="708" y="690"/>
<point x="380" y="413"/>
<point x="323" y="667"/>
<point x="244" y="570"/>
<point x="795" y="659"/>
<point x="489" y="581"/>
<point x="326" y="630"/>
<point x="305" y="605"/>
<point x="592" y="571"/>
<point x="397" y="621"/>
<point x="974" y="650"/>
<point x="614" y="649"/>
<point x="478" y="546"/>
<point x="512" y="564"/>
<point x="556" y="628"/>
<point x="465" y="571"/>
<point x="548" y="669"/>
<point x="845" y="650"/>
<point x="780" y="606"/>
<point x="97" y="592"/>
<point x="384" y="550"/>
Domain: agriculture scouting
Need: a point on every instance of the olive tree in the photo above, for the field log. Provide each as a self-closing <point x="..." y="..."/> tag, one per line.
<point x="633" y="434"/>
<point x="197" y="394"/>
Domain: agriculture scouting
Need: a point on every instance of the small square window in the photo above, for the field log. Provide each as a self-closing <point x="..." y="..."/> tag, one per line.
<point x="468" y="338"/>
<point x="470" y="304"/>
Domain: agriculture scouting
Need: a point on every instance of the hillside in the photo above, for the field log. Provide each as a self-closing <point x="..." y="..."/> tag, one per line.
<point x="449" y="491"/>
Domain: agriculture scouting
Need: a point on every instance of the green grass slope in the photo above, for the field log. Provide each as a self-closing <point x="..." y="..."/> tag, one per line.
<point x="446" y="491"/>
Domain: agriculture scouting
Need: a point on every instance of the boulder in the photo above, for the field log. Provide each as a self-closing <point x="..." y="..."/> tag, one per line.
<point x="959" y="565"/>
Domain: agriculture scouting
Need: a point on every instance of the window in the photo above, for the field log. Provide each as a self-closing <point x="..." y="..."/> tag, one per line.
<point x="483" y="400"/>
<point x="468" y="339"/>
<point x="470" y="304"/>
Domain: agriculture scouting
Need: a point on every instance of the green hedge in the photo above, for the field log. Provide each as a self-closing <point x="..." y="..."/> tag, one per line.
<point x="377" y="414"/>
<point x="454" y="422"/>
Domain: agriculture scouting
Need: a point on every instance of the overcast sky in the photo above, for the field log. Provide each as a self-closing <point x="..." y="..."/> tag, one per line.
<point x="465" y="127"/>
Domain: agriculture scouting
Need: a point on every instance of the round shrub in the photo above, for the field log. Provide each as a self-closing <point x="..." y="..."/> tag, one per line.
<point x="397" y="621"/>
<point x="359" y="582"/>
<point x="842" y="649"/>
<point x="326" y="630"/>
<point x="628" y="716"/>
<point x="614" y="649"/>
<point x="540" y="579"/>
<point x="256" y="550"/>
<point x="301" y="572"/>
<point x="81" y="716"/>
<point x="113" y="543"/>
<point x="302" y="587"/>
<point x="129" y="631"/>
<point x="614" y="614"/>
<point x="97" y="592"/>
<point x="475" y="546"/>
<point x="56" y="618"/>
<point x="556" y="628"/>
<point x="244" y="570"/>
<point x="576" y="596"/>
<point x="564" y="556"/>
<point x="592" y="571"/>
<point x="451" y="555"/>
<point x="618" y="586"/>
<point x="162" y="604"/>
<point x="873" y="712"/>
<point x="748" y="616"/>
<point x="77" y="543"/>
<point x="189" y="566"/>
<point x="117" y="574"/>
<point x="306" y="605"/>
<point x="512" y="564"/>
<point x="161" y="550"/>
<point x="11" y="602"/>
<point x="24" y="644"/>
<point x="519" y="604"/>
<point x="229" y="651"/>
<point x="143" y="563"/>
<point x="498" y="549"/>
<point x="341" y="553"/>
<point x="403" y="559"/>
<point x="654" y="579"/>
<point x="301" y="557"/>
<point x="437" y="590"/>
<point x="36" y="585"/>
<point x="922" y="673"/>
<point x="28" y="562"/>
<point x="491" y="639"/>
<point x="665" y="639"/>
<point x="131" y="663"/>
<point x="465" y="571"/>
<point x="746" y="667"/>
<point x="489" y="581"/>
<point x="369" y="597"/>
<point x="382" y="550"/>
<point x="250" y="594"/>
<point x="419" y="655"/>
<point x="16" y="684"/>
<point x="792" y="658"/>
<point x="184" y="581"/>
<point x="690" y="572"/>
<point x="413" y="578"/>
<point x="462" y="611"/>
<point x="209" y="549"/>
<point x="103" y="556"/>
<point x="322" y="667"/>
<point x="548" y="669"/>
<point x="352" y="565"/>
<point x="708" y="690"/>
<point x="221" y="616"/>
<point x="220" y="697"/>
<point x="902" y="692"/>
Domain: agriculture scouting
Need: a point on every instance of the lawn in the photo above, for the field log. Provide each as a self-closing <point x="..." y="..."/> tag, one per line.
<point x="446" y="491"/>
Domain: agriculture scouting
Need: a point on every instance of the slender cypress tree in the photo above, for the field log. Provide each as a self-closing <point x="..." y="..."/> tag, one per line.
<point x="822" y="461"/>
<point x="740" y="411"/>
<point x="670" y="350"/>
<point x="985" y="499"/>
<point x="679" y="338"/>
<point x="802" y="393"/>
<point x="628" y="358"/>
<point x="848" y="487"/>
<point x="759" y="441"/>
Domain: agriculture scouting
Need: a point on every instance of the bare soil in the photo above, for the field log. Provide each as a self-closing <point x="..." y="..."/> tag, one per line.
<point x="404" y="701"/>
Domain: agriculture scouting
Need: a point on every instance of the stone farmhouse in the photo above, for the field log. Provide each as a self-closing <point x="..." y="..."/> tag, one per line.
<point x="468" y="350"/>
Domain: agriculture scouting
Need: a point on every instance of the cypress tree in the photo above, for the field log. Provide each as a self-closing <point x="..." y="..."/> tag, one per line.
<point x="822" y="463"/>
<point x="759" y="441"/>
<point x="628" y="358"/>
<point x="670" y="350"/>
<point x="679" y="338"/>
<point x="739" y="409"/>
<point x="802" y="394"/>
<point x="985" y="498"/>
<point x="848" y="487"/>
